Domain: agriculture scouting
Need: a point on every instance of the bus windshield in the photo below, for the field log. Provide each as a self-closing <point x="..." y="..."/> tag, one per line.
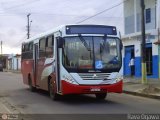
<point x="91" y="53"/>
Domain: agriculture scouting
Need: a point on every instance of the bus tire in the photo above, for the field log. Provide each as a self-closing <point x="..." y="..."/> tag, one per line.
<point x="31" y="87"/>
<point x="101" y="96"/>
<point x="54" y="96"/>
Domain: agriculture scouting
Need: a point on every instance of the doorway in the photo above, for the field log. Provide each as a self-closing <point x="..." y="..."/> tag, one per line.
<point x="129" y="53"/>
<point x="149" y="60"/>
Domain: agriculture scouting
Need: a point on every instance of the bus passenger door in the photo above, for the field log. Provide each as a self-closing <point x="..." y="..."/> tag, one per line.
<point x="36" y="64"/>
<point x="58" y="53"/>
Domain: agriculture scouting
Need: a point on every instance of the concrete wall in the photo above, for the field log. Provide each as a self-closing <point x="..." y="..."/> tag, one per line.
<point x="128" y="8"/>
<point x="158" y="13"/>
<point x="136" y="43"/>
<point x="129" y="17"/>
<point x="132" y="15"/>
<point x="16" y="62"/>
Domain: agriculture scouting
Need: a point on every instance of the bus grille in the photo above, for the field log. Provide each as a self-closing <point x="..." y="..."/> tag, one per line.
<point x="94" y="76"/>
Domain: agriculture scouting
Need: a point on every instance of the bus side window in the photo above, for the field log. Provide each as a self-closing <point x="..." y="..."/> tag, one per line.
<point x="23" y="47"/>
<point x="26" y="47"/>
<point x="42" y="45"/>
<point x="49" y="46"/>
<point x="31" y="46"/>
<point x="30" y="52"/>
<point x="25" y="50"/>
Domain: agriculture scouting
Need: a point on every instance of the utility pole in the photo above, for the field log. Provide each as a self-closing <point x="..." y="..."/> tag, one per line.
<point x="158" y="55"/>
<point x="143" y="47"/>
<point x="28" y="26"/>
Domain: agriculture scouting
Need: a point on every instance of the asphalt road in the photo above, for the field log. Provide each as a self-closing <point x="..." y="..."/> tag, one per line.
<point x="18" y="99"/>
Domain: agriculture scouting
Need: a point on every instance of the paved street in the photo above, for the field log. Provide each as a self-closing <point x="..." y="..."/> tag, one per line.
<point x="17" y="98"/>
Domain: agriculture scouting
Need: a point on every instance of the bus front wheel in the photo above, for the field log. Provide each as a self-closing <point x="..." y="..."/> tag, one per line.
<point x="101" y="96"/>
<point x="53" y="95"/>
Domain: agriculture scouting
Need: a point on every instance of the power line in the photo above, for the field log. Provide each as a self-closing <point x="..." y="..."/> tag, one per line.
<point x="56" y="14"/>
<point x="20" y="41"/>
<point x="100" y="12"/>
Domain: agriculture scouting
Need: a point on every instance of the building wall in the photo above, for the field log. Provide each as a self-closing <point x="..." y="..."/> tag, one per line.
<point x="136" y="43"/>
<point x="148" y="4"/>
<point x="19" y="63"/>
<point x="14" y="62"/>
<point x="132" y="15"/>
<point x="9" y="64"/>
<point x="132" y="38"/>
<point x="129" y="16"/>
<point x="158" y="13"/>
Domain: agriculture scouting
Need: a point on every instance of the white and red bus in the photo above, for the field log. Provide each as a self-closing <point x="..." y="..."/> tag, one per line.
<point x="74" y="59"/>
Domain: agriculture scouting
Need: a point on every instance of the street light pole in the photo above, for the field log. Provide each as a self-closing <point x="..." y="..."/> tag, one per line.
<point x="143" y="47"/>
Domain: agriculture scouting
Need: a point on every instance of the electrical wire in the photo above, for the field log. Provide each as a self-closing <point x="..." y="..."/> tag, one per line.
<point x="100" y="12"/>
<point x="105" y="10"/>
<point x="52" y="14"/>
<point x="17" y="44"/>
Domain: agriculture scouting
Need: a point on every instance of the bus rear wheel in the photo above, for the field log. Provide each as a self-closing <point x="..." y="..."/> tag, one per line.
<point x="53" y="95"/>
<point x="101" y="96"/>
<point x="31" y="87"/>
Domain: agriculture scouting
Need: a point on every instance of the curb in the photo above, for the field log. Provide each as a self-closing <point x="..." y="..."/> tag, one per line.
<point x="18" y="72"/>
<point x="12" y="71"/>
<point x="141" y="94"/>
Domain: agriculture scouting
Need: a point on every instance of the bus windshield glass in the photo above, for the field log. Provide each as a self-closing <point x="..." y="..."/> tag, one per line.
<point x="91" y="53"/>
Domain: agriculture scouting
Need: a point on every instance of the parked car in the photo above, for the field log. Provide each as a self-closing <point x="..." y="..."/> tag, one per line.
<point x="1" y="67"/>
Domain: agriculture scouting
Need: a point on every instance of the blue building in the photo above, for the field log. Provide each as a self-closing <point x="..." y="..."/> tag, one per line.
<point x="132" y="36"/>
<point x="14" y="62"/>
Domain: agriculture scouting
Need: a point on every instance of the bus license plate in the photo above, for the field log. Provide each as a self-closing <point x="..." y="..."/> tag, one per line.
<point x="95" y="89"/>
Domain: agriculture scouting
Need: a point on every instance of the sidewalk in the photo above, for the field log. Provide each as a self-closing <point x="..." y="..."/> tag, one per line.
<point x="3" y="108"/>
<point x="13" y="71"/>
<point x="135" y="87"/>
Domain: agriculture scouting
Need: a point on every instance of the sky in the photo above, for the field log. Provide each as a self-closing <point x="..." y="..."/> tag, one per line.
<point x="47" y="14"/>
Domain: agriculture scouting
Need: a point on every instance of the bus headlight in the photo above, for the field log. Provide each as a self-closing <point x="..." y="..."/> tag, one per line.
<point x="69" y="79"/>
<point x="118" y="79"/>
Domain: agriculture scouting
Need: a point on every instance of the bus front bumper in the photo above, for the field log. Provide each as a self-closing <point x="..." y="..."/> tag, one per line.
<point x="68" y="88"/>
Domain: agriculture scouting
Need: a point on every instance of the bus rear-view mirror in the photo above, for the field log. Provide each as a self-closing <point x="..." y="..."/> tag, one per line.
<point x="121" y="45"/>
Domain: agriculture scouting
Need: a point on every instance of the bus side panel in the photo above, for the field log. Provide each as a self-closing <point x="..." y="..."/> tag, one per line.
<point x="44" y="69"/>
<point x="27" y="69"/>
<point x="40" y="66"/>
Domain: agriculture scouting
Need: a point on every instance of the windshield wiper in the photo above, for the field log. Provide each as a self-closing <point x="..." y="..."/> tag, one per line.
<point x="106" y="44"/>
<point x="84" y="43"/>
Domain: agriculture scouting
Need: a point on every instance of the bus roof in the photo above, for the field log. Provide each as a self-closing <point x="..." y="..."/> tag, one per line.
<point x="61" y="28"/>
<point x="45" y="33"/>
